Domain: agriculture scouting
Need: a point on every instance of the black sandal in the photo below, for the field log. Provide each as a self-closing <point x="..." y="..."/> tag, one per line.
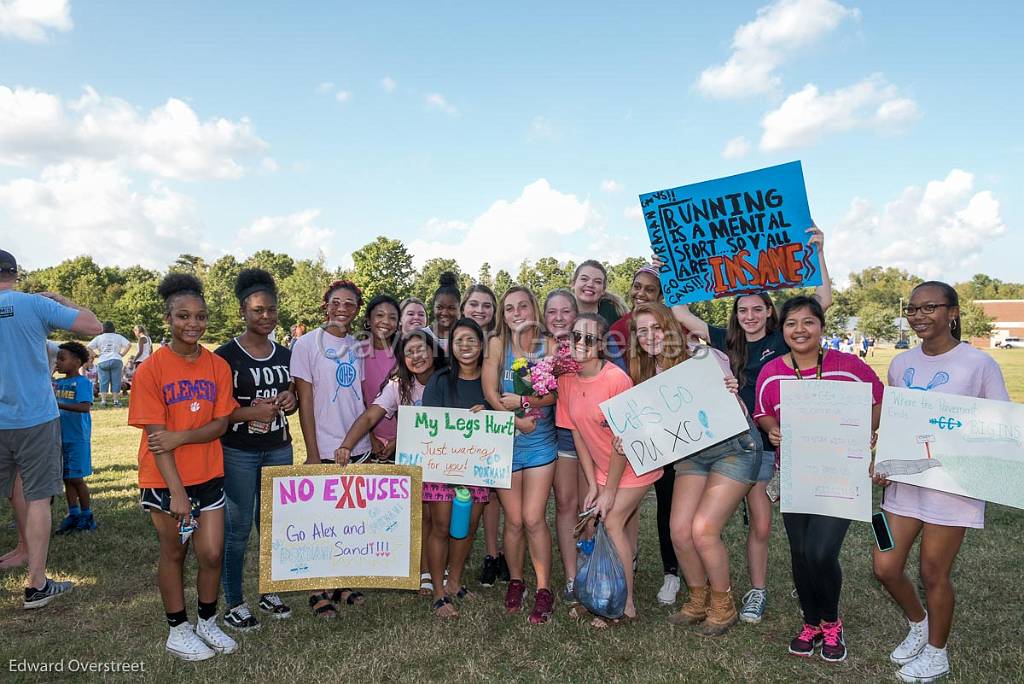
<point x="463" y="593"/>
<point x="349" y="596"/>
<point x="439" y="604"/>
<point x="322" y="606"/>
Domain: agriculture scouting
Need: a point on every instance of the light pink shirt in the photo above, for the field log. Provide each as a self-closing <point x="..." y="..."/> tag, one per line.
<point x="377" y="364"/>
<point x="389" y="398"/>
<point x="963" y="370"/>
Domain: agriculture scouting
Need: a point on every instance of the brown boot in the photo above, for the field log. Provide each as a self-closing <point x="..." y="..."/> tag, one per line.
<point x="721" y="615"/>
<point x="695" y="609"/>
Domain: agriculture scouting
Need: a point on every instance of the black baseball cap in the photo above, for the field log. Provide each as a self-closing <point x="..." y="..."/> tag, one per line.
<point x="8" y="264"/>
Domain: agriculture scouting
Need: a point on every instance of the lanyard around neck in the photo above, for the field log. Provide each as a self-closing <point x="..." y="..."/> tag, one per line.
<point x="796" y="366"/>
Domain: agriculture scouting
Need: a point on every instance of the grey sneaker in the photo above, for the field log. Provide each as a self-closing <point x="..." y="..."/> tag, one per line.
<point x="37" y="598"/>
<point x="669" y="589"/>
<point x="754" y="603"/>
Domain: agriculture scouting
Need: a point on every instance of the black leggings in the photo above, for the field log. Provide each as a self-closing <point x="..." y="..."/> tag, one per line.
<point x="814" y="544"/>
<point x="663" y="489"/>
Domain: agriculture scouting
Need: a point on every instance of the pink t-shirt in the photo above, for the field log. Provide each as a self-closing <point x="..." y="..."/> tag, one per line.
<point x="836" y="365"/>
<point x="389" y="397"/>
<point x="579" y="408"/>
<point x="377" y="365"/>
<point x="334" y="366"/>
<point x="962" y="370"/>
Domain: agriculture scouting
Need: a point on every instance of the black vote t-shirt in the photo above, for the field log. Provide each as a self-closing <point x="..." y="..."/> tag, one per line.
<point x="257" y="379"/>
<point x="758" y="354"/>
<point x="438" y="392"/>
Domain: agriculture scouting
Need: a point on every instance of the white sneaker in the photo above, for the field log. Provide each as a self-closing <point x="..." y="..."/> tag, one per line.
<point x="183" y="643"/>
<point x="911" y="647"/>
<point x="214" y="636"/>
<point x="932" y="664"/>
<point x="669" y="589"/>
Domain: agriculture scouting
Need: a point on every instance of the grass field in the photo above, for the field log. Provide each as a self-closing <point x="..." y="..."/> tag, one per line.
<point x="114" y="612"/>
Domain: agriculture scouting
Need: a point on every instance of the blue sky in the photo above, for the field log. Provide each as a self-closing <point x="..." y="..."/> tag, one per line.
<point x="135" y="131"/>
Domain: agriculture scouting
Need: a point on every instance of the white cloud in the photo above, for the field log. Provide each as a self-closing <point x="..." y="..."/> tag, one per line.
<point x="33" y="20"/>
<point x="343" y="96"/>
<point x="90" y="207"/>
<point x="438" y="101"/>
<point x="388" y="84"/>
<point x="168" y="141"/>
<point x="935" y="232"/>
<point x="537" y="223"/>
<point x="298" y="234"/>
<point x="807" y="115"/>
<point x="736" y="148"/>
<point x="633" y="213"/>
<point x="762" y="45"/>
<point x="541" y="128"/>
<point x="611" y="185"/>
<point x="325" y="87"/>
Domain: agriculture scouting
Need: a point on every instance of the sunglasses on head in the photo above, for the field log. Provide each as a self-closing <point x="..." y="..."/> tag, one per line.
<point x="588" y="339"/>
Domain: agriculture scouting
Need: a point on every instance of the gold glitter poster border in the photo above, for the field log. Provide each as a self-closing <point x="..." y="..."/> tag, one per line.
<point x="411" y="581"/>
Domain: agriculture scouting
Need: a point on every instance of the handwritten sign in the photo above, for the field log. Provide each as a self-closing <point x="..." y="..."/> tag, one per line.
<point x="456" y="446"/>
<point x="738" y="235"/>
<point x="675" y="414"/>
<point x="826" y="448"/>
<point x="962" y="445"/>
<point x="327" y="526"/>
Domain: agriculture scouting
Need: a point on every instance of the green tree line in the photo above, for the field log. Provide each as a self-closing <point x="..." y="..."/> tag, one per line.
<point x="127" y="296"/>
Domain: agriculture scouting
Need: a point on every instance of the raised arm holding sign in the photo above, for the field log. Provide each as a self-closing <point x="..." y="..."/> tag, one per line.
<point x="731" y="236"/>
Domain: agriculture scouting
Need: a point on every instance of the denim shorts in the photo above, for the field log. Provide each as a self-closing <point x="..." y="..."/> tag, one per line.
<point x="737" y="458"/>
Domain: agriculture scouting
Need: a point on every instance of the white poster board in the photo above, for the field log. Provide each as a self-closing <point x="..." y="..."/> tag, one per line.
<point x="826" y="448"/>
<point x="675" y="414"/>
<point x="962" y="445"/>
<point x="328" y="526"/>
<point x="456" y="446"/>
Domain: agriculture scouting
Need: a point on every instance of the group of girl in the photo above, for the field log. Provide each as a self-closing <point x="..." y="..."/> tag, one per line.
<point x="212" y="420"/>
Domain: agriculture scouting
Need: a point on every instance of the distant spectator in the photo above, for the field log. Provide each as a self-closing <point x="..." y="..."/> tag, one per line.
<point x="109" y="348"/>
<point x="145" y="346"/>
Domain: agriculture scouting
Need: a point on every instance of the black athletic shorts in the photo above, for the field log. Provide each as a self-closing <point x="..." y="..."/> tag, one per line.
<point x="209" y="495"/>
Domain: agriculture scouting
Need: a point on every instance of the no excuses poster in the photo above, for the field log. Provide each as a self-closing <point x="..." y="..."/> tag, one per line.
<point x="327" y="526"/>
<point x="732" y="236"/>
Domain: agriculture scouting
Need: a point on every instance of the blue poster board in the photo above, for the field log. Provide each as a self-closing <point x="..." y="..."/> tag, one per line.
<point x="733" y="236"/>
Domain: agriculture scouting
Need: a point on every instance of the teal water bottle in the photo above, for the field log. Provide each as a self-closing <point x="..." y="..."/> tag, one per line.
<point x="462" y="505"/>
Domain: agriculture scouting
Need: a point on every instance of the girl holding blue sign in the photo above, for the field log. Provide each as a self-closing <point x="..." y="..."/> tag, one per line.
<point x="751" y="339"/>
<point x="941" y="364"/>
<point x="534" y="450"/>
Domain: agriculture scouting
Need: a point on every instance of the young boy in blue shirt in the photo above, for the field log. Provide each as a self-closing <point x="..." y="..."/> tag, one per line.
<point x="74" y="399"/>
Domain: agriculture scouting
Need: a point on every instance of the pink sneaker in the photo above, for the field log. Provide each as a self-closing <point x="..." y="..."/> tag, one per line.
<point x="804" y="643"/>
<point x="514" y="596"/>
<point x="543" y="604"/>
<point x="833" y="647"/>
